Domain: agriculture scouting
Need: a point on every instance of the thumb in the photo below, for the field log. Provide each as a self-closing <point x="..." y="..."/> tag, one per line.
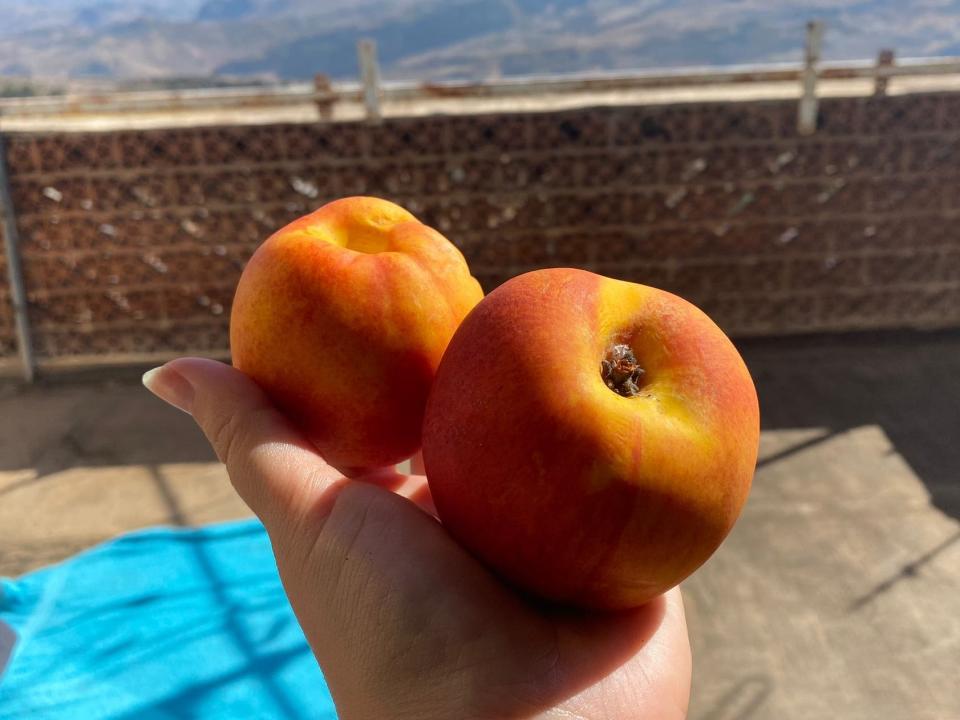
<point x="273" y="467"/>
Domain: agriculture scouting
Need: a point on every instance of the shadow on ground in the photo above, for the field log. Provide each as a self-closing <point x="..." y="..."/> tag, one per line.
<point x="906" y="383"/>
<point x="94" y="419"/>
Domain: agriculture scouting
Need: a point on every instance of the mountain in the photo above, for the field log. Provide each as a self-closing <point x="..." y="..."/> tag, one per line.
<point x="426" y="28"/>
<point x="226" y="10"/>
<point x="123" y="40"/>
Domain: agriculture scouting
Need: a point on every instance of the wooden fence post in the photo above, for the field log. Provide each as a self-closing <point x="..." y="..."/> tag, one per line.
<point x="370" y="77"/>
<point x="886" y="59"/>
<point x="323" y="96"/>
<point x="807" y="115"/>
<point x="11" y="243"/>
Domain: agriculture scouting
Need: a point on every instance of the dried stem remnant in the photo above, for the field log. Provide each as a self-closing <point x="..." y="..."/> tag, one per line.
<point x="621" y="372"/>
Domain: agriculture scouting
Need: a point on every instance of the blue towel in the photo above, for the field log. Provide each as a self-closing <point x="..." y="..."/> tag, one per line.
<point x="159" y="624"/>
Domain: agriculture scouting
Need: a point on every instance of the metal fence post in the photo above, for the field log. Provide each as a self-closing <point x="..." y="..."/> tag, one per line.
<point x="807" y="115"/>
<point x="11" y="242"/>
<point x="370" y="77"/>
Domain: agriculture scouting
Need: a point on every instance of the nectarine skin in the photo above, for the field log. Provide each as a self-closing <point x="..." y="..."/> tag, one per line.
<point x="342" y="317"/>
<point x="565" y="487"/>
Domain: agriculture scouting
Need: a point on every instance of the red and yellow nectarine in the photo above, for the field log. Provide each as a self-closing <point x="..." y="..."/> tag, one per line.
<point x="342" y="317"/>
<point x="591" y="440"/>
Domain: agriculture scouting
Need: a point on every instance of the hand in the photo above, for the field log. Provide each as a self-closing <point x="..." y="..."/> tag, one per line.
<point x="403" y="621"/>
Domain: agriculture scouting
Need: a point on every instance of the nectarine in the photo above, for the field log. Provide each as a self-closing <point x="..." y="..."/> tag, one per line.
<point x="591" y="440"/>
<point x="342" y="317"/>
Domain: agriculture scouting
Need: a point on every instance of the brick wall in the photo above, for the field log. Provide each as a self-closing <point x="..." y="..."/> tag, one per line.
<point x="132" y="242"/>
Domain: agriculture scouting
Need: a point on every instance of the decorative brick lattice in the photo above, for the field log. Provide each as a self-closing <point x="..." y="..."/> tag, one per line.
<point x="132" y="242"/>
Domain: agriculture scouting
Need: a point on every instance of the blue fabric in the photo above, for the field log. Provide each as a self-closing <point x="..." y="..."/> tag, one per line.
<point x="160" y="624"/>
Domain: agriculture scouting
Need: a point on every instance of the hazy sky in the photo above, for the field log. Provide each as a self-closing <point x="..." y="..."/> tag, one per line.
<point x="437" y="39"/>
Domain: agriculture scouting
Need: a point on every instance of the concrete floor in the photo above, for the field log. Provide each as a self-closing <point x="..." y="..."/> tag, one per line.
<point x="837" y="594"/>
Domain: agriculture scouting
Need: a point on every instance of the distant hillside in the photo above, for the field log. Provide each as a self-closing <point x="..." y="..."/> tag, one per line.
<point x="436" y="39"/>
<point x="425" y="29"/>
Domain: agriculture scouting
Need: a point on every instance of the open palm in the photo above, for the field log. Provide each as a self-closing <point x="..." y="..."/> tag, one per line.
<point x="403" y="621"/>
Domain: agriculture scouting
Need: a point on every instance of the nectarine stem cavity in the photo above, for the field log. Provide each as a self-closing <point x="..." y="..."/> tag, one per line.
<point x="620" y="371"/>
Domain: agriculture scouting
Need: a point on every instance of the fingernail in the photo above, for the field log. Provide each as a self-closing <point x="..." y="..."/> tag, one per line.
<point x="170" y="386"/>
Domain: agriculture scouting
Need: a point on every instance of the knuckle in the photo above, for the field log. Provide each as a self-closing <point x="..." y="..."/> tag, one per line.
<point x="337" y="543"/>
